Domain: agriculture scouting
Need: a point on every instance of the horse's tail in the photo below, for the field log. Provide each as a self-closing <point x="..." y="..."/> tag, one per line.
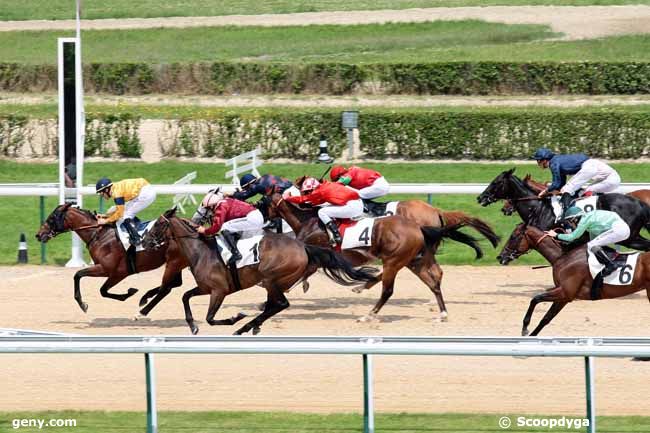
<point x="337" y="267"/>
<point x="455" y="218"/>
<point x="433" y="235"/>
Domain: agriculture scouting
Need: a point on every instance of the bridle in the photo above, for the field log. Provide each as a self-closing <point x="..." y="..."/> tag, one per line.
<point x="56" y="224"/>
<point x="155" y="238"/>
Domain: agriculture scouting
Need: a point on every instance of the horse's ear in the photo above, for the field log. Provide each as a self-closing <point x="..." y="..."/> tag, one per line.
<point x="170" y="212"/>
<point x="511" y="171"/>
<point x="66" y="206"/>
<point x="527" y="177"/>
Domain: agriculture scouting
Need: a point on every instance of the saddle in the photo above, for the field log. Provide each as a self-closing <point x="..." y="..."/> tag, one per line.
<point x="374" y="208"/>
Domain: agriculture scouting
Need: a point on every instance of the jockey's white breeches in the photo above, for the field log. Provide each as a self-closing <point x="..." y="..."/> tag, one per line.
<point x="379" y="188"/>
<point x="603" y="178"/>
<point x="352" y="209"/>
<point x="143" y="200"/>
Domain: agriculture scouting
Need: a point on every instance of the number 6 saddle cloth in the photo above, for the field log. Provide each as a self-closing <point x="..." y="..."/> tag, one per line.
<point x="625" y="267"/>
<point x="249" y="249"/>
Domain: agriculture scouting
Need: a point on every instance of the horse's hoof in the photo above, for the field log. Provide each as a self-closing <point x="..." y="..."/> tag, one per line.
<point x="195" y="329"/>
<point x="143" y="301"/>
<point x="131" y="292"/>
<point x="305" y="286"/>
<point x="84" y="307"/>
<point x="358" y="289"/>
<point x="444" y="317"/>
<point x="367" y="318"/>
<point x="524" y="333"/>
<point x="256" y="330"/>
<point x="139" y="316"/>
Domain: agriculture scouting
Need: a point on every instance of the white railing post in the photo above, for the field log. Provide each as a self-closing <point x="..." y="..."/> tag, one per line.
<point x="591" y="403"/>
<point x="368" y="402"/>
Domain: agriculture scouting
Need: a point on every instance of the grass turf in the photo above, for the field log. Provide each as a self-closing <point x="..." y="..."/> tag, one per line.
<point x="286" y="422"/>
<point x="394" y="42"/>
<point x="94" y="9"/>
<point x="21" y="214"/>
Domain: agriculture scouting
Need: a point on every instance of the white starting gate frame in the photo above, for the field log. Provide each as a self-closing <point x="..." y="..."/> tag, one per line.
<point x="184" y="198"/>
<point x="238" y="168"/>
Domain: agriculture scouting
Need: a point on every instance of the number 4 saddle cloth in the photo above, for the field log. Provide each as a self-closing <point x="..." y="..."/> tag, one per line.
<point x="625" y="267"/>
<point x="355" y="234"/>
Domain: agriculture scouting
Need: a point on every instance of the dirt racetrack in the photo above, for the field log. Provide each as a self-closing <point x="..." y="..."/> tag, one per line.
<point x="481" y="301"/>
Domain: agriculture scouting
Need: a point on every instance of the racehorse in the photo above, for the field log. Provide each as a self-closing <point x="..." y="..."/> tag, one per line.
<point x="396" y="241"/>
<point x="539" y="212"/>
<point x="283" y="262"/>
<point x="109" y="256"/>
<point x="537" y="187"/>
<point x="571" y="274"/>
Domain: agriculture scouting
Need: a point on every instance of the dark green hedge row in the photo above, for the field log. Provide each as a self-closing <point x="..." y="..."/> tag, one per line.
<point x="462" y="78"/>
<point x="480" y="134"/>
<point x="504" y="135"/>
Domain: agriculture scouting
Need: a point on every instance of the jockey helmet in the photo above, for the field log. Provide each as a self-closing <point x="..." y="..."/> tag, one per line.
<point x="102" y="184"/>
<point x="246" y="180"/>
<point x="573" y="212"/>
<point x="543" y="154"/>
<point x="212" y="198"/>
<point x="309" y="184"/>
<point x="337" y="172"/>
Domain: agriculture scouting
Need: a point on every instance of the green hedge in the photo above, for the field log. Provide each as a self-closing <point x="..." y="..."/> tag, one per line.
<point x="412" y="134"/>
<point x="462" y="78"/>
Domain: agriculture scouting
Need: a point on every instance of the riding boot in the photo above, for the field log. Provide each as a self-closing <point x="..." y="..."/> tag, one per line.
<point x="231" y="239"/>
<point x="602" y="257"/>
<point x="565" y="201"/>
<point x="336" y="236"/>
<point x="134" y="237"/>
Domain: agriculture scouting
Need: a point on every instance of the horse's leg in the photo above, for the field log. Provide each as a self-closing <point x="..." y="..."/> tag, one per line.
<point x="110" y="282"/>
<point x="388" y="282"/>
<point x="550" y="314"/>
<point x="171" y="279"/>
<point x="275" y="303"/>
<point x="188" y="311"/>
<point x="368" y="285"/>
<point x="216" y="299"/>
<point x="93" y="271"/>
<point x="552" y="295"/>
<point x="432" y="276"/>
<point x="145" y="298"/>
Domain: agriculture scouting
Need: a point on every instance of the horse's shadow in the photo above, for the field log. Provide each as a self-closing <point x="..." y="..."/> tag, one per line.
<point x="123" y="322"/>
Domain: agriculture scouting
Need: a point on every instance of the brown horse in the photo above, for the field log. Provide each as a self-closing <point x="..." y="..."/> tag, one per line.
<point x="283" y="262"/>
<point x="571" y="274"/>
<point x="396" y="241"/>
<point x="508" y="208"/>
<point x="109" y="256"/>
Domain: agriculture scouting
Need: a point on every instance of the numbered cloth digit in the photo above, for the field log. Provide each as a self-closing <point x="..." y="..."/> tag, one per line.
<point x="625" y="277"/>
<point x="365" y="236"/>
<point x="588" y="208"/>
<point x="255" y="251"/>
<point x="389" y="213"/>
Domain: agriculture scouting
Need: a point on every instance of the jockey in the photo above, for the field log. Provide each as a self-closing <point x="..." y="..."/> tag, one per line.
<point x="604" y="228"/>
<point x="251" y="185"/>
<point x="131" y="196"/>
<point x="344" y="202"/>
<point x="370" y="183"/>
<point x="604" y="178"/>
<point x="233" y="217"/>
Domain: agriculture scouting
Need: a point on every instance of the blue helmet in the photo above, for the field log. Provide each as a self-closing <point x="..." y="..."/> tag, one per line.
<point x="102" y="184"/>
<point x="246" y="180"/>
<point x="543" y="153"/>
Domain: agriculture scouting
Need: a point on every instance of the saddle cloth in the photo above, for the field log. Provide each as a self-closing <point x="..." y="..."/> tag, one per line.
<point x="249" y="248"/>
<point x="626" y="265"/>
<point x="587" y="204"/>
<point x="356" y="234"/>
<point x="142" y="226"/>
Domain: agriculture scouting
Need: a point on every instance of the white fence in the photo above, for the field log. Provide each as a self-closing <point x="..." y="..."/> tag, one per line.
<point x="586" y="348"/>
<point x="396" y="188"/>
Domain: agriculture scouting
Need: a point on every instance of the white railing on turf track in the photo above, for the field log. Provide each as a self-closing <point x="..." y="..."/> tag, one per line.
<point x="396" y="188"/>
<point x="368" y="346"/>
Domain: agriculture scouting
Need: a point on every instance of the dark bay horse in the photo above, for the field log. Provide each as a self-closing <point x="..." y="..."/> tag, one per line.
<point x="109" y="256"/>
<point x="396" y="241"/>
<point x="283" y="262"/>
<point x="539" y="212"/>
<point x="537" y="187"/>
<point x="571" y="274"/>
